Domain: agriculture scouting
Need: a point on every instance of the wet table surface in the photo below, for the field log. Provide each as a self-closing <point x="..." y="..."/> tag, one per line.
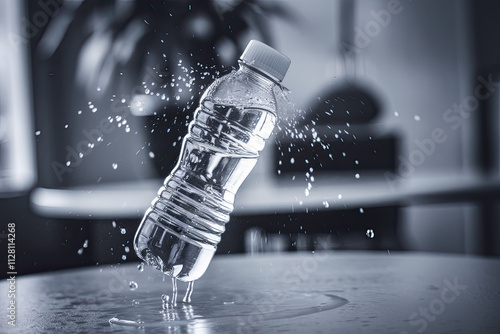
<point x="323" y="292"/>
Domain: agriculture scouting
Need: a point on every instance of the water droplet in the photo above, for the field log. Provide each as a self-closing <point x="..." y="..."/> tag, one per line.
<point x="361" y="210"/>
<point x="127" y="249"/>
<point x="135" y="302"/>
<point x="79" y="112"/>
<point x="124" y="257"/>
<point x="417" y="118"/>
<point x="326" y="204"/>
<point x="98" y="89"/>
<point x="113" y="223"/>
<point x="339" y="196"/>
<point x="114" y="165"/>
<point x="123" y="231"/>
<point x="68" y="163"/>
<point x="86" y="243"/>
<point x="189" y="292"/>
<point x="370" y="234"/>
<point x="356" y="176"/>
<point x="292" y="161"/>
<point x="80" y="251"/>
<point x="140" y="266"/>
<point x="165" y="301"/>
<point x="133" y="285"/>
<point x="37" y="133"/>
<point x="396" y="114"/>
<point x="66" y="126"/>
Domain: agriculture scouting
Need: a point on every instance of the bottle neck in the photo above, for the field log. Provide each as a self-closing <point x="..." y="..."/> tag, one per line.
<point x="258" y="77"/>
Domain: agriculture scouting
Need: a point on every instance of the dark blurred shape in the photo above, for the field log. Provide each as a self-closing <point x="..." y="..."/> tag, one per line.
<point x="346" y="103"/>
<point x="157" y="55"/>
<point x="365" y="154"/>
<point x="139" y="35"/>
<point x="486" y="27"/>
<point x="343" y="117"/>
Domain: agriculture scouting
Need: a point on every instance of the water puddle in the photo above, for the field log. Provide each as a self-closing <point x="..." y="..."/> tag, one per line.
<point x="241" y="308"/>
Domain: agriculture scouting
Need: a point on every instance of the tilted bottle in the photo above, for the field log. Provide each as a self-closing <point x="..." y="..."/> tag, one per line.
<point x="237" y="113"/>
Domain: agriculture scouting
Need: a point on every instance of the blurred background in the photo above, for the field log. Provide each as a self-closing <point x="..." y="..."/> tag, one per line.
<point x="389" y="142"/>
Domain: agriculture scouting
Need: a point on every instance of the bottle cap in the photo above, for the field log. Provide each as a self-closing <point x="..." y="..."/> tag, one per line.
<point x="266" y="59"/>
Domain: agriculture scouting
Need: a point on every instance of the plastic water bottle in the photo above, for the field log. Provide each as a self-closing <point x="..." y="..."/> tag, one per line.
<point x="237" y="113"/>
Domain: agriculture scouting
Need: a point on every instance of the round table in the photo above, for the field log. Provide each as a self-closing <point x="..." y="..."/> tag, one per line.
<point x="322" y="292"/>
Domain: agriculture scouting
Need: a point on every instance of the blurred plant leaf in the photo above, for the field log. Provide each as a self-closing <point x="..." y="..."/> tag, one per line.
<point x="152" y="38"/>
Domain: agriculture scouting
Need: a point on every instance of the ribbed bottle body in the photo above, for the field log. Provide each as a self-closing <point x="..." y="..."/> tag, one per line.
<point x="180" y="231"/>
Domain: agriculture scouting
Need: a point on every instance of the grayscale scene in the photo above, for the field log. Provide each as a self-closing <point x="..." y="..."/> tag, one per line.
<point x="250" y="166"/>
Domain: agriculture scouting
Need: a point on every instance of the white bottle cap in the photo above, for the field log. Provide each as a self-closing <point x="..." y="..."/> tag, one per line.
<point x="266" y="59"/>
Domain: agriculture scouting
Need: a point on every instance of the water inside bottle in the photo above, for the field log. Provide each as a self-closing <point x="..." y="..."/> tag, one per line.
<point x="181" y="230"/>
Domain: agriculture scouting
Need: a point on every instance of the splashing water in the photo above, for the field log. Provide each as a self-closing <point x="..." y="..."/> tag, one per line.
<point x="297" y="125"/>
<point x="168" y="301"/>
<point x="174" y="292"/>
<point x="189" y="292"/>
<point x="293" y="124"/>
<point x="165" y="301"/>
<point x="222" y="306"/>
